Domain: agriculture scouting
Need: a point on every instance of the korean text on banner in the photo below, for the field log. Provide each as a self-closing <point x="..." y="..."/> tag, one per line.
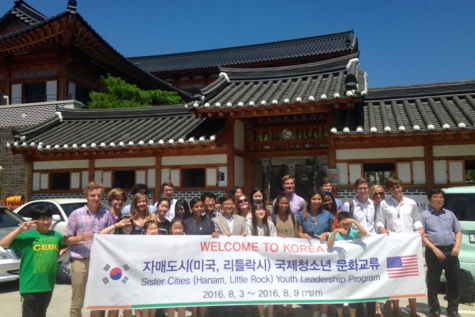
<point x="186" y="271"/>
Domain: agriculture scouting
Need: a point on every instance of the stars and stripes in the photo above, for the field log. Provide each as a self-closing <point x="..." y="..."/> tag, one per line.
<point x="403" y="266"/>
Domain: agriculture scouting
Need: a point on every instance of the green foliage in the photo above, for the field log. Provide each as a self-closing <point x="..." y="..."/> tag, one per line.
<point x="124" y="95"/>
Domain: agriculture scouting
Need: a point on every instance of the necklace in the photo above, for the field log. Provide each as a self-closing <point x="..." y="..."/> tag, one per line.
<point x="198" y="223"/>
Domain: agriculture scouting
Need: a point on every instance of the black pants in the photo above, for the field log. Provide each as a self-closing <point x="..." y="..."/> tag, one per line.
<point x="451" y="265"/>
<point x="370" y="309"/>
<point x="35" y="304"/>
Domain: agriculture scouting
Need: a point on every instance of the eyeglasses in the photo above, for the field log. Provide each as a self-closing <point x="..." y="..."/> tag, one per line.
<point x="45" y="220"/>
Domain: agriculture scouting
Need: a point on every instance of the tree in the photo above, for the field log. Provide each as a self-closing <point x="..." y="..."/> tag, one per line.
<point x="124" y="95"/>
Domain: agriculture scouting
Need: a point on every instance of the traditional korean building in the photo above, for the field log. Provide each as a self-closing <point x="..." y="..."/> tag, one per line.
<point x="49" y="64"/>
<point x="252" y="126"/>
<point x="301" y="107"/>
<point x="201" y="68"/>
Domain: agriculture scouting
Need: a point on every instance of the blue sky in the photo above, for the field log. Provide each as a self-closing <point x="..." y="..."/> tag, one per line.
<point x="401" y="42"/>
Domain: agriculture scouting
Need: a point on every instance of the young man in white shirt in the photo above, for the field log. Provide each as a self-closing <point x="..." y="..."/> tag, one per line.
<point x="362" y="210"/>
<point x="167" y="191"/>
<point x="398" y="214"/>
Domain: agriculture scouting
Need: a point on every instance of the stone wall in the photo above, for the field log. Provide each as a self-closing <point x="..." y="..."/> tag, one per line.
<point x="14" y="169"/>
<point x="347" y="194"/>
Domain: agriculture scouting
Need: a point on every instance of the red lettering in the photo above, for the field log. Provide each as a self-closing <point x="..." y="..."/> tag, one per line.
<point x="274" y="247"/>
<point x="226" y="246"/>
<point x="255" y="247"/>
<point x="266" y="244"/>
<point x="245" y="246"/>
<point x="214" y="246"/>
<point x="311" y="248"/>
<point x="220" y="247"/>
<point x="320" y="249"/>
<point x="294" y="248"/>
<point x="205" y="246"/>
<point x="303" y="249"/>
<point x="287" y="248"/>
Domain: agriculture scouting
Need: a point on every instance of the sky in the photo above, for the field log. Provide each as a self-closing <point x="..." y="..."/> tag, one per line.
<point x="401" y="42"/>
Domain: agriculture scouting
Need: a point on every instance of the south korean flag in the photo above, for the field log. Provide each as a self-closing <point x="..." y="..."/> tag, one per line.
<point x="114" y="274"/>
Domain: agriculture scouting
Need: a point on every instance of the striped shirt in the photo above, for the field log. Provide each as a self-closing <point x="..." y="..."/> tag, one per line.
<point x="81" y="221"/>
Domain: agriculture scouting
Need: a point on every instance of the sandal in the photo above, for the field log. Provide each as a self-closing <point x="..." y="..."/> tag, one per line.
<point x="378" y="309"/>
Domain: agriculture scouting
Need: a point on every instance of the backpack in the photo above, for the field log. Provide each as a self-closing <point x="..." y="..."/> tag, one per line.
<point x="64" y="275"/>
<point x="467" y="286"/>
<point x="352" y="209"/>
<point x="274" y="218"/>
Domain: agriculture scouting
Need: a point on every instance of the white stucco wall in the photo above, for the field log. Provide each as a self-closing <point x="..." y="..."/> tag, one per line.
<point x="194" y="159"/>
<point x="453" y="150"/>
<point x="369" y="153"/>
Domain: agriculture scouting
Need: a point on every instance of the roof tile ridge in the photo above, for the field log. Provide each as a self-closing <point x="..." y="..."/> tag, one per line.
<point x="240" y="47"/>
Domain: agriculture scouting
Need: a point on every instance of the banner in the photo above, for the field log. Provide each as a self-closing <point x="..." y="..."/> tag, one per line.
<point x="185" y="271"/>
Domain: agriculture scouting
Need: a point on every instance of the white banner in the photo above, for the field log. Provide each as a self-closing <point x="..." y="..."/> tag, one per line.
<point x="186" y="271"/>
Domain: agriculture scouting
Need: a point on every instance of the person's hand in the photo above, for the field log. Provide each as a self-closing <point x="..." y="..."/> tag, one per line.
<point x="228" y="233"/>
<point x="324" y="236"/>
<point x="347" y="221"/>
<point x="123" y="223"/>
<point x="439" y="254"/>
<point x="455" y="251"/>
<point x="87" y="236"/>
<point x="341" y="231"/>
<point x="25" y="226"/>
<point x="382" y="230"/>
<point x="423" y="233"/>
<point x="215" y="235"/>
<point x="305" y="236"/>
<point x="282" y="235"/>
<point x="244" y="233"/>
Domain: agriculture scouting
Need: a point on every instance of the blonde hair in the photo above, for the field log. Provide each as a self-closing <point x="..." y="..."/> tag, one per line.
<point x="286" y="178"/>
<point x="134" y="213"/>
<point x="373" y="189"/>
<point x="116" y="192"/>
<point x="91" y="186"/>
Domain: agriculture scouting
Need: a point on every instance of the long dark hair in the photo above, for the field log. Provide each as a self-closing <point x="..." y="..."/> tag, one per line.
<point x="334" y="210"/>
<point x="277" y="200"/>
<point x="184" y="204"/>
<point x="255" y="190"/>
<point x="122" y="217"/>
<point x="256" y="207"/>
<point x="309" y="204"/>
<point x="235" y="189"/>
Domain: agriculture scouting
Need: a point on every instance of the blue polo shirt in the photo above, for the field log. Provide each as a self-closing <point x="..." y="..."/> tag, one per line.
<point x="317" y="225"/>
<point x="440" y="227"/>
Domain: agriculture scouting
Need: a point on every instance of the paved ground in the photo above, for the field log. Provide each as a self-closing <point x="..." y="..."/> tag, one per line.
<point x="59" y="307"/>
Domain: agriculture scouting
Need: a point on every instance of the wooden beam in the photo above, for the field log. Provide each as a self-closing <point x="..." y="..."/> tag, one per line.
<point x="230" y="152"/>
<point x="247" y="175"/>
<point x="331" y="143"/>
<point x="92" y="167"/>
<point x="158" y="175"/>
<point x="429" y="166"/>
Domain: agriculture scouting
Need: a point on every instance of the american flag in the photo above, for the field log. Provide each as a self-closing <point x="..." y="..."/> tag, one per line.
<point x="403" y="266"/>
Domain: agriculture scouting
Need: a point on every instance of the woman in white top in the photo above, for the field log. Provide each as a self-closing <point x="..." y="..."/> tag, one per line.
<point x="260" y="226"/>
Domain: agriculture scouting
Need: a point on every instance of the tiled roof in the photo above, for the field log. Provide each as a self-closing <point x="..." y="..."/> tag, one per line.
<point x="25" y="13"/>
<point x="309" y="46"/>
<point x="118" y="128"/>
<point x="418" y="108"/>
<point x="256" y="87"/>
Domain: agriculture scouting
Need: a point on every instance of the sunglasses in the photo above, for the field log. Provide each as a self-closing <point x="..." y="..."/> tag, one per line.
<point x="243" y="201"/>
<point x="378" y="194"/>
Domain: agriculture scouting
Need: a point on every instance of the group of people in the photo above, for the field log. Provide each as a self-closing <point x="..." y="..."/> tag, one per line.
<point x="321" y="216"/>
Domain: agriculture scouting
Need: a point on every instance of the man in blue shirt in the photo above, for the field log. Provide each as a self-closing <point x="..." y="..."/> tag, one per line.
<point x="443" y="240"/>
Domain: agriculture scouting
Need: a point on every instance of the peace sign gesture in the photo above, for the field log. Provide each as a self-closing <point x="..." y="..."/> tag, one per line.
<point x="27" y="225"/>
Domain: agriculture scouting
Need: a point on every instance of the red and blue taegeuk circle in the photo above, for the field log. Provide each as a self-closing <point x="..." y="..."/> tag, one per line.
<point x="116" y="273"/>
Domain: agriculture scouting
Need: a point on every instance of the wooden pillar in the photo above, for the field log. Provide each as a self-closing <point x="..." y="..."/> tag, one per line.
<point x="331" y="143"/>
<point x="158" y="175"/>
<point x="62" y="93"/>
<point x="8" y="84"/>
<point x="247" y="175"/>
<point x="429" y="166"/>
<point x="92" y="167"/>
<point x="29" y="180"/>
<point x="230" y="152"/>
